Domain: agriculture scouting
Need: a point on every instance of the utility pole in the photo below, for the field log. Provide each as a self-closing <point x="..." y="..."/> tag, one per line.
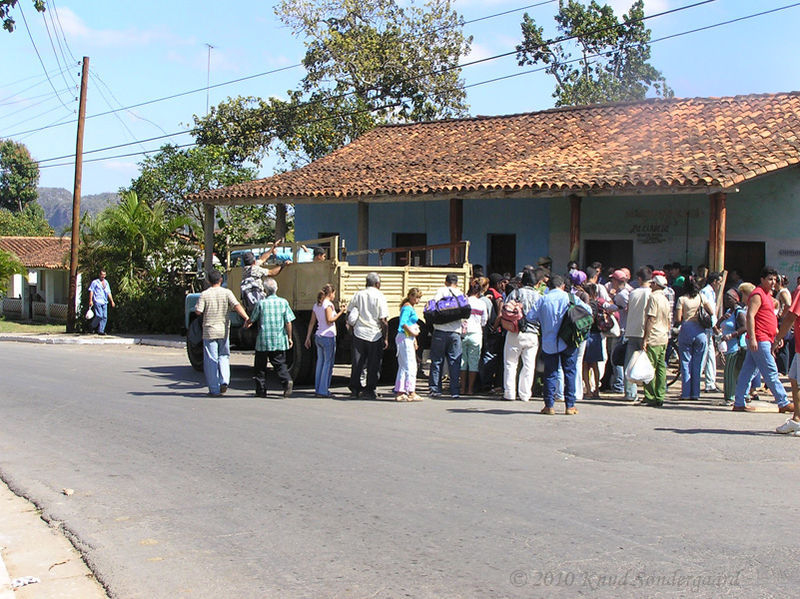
<point x="76" y="202"/>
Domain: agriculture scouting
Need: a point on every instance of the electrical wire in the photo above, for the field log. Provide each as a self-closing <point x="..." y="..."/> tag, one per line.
<point x="39" y="56"/>
<point x="53" y="46"/>
<point x="493" y="80"/>
<point x="444" y="70"/>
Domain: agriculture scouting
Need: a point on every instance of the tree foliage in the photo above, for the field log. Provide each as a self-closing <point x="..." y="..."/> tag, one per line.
<point x="367" y="62"/>
<point x="19" y="175"/>
<point x="29" y="222"/>
<point x="9" y="265"/>
<point x="613" y="56"/>
<point x="137" y="245"/>
<point x="170" y="175"/>
<point x="5" y="12"/>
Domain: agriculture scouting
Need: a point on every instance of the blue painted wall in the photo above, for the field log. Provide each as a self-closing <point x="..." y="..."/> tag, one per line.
<point x="528" y="219"/>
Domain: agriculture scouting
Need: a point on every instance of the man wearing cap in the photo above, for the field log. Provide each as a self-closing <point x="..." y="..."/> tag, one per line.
<point x="656" y="336"/>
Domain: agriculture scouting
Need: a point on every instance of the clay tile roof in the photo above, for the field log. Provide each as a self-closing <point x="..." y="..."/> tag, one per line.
<point x="648" y="146"/>
<point x="38" y="252"/>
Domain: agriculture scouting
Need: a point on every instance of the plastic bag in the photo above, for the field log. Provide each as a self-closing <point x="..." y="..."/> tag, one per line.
<point x="640" y="370"/>
<point x="89" y="314"/>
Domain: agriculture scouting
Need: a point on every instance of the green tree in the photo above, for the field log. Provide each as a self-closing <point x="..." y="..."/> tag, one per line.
<point x="138" y="247"/>
<point x="367" y="62"/>
<point x="9" y="265"/>
<point x="19" y="175"/>
<point x="5" y="12"/>
<point x="29" y="222"/>
<point x="613" y="62"/>
<point x="173" y="173"/>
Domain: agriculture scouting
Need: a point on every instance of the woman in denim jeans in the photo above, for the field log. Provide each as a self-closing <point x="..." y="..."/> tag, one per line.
<point x="325" y="316"/>
<point x="692" y="338"/>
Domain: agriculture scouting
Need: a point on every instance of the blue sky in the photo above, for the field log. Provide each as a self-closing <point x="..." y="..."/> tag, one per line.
<point x="144" y="50"/>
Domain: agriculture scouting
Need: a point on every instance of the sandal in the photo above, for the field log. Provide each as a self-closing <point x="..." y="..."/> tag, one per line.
<point x="402" y="397"/>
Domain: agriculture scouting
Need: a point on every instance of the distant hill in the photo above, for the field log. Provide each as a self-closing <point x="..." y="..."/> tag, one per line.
<point x="57" y="205"/>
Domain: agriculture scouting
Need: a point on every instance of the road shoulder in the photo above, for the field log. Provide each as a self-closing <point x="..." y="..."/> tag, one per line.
<point x="30" y="547"/>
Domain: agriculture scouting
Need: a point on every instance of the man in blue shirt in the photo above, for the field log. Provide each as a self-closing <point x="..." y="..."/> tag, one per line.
<point x="99" y="298"/>
<point x="549" y="313"/>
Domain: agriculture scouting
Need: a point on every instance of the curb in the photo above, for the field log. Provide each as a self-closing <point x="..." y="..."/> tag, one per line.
<point x="86" y="340"/>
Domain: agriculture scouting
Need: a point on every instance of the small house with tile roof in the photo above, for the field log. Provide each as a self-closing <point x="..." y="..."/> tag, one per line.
<point x="697" y="180"/>
<point x="43" y="293"/>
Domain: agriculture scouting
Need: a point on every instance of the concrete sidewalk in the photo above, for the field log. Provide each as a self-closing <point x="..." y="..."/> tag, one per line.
<point x="29" y="547"/>
<point x="90" y="339"/>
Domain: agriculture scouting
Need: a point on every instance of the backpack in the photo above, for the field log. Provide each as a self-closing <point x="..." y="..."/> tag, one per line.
<point x="448" y="309"/>
<point x="512" y="316"/>
<point x="604" y="320"/>
<point x="576" y="323"/>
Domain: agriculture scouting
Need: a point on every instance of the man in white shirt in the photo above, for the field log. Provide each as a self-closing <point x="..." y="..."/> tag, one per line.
<point x="709" y="293"/>
<point x="368" y="313"/>
<point x="634" y="330"/>
<point x="446" y="342"/>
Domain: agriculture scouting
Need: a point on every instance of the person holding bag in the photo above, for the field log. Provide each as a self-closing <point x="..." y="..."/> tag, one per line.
<point x="692" y="337"/>
<point x="405" y="384"/>
<point x="324" y="315"/>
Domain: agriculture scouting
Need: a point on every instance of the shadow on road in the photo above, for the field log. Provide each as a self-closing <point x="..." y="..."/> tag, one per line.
<point x="496" y="411"/>
<point x="717" y="431"/>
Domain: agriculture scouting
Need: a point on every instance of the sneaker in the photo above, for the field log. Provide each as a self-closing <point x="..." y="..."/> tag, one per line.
<point x="456" y="396"/>
<point x="744" y="409"/>
<point x="368" y="395"/>
<point x="789" y="407"/>
<point x="790" y="427"/>
<point x="288" y="391"/>
<point x="548" y="411"/>
<point x="721" y="402"/>
<point x="434" y="395"/>
<point x="223" y="388"/>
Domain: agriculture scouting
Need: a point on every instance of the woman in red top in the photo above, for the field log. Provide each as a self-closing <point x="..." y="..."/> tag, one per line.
<point x="762" y="326"/>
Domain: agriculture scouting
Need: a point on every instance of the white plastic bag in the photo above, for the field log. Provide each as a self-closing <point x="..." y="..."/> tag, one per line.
<point x="89" y="314"/>
<point x="640" y="370"/>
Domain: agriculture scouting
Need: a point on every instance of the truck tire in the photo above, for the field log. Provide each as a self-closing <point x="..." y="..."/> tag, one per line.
<point x="194" y="344"/>
<point x="299" y="359"/>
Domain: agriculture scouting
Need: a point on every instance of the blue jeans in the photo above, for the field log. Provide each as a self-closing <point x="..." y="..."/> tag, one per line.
<point x="762" y="360"/>
<point x="445" y="344"/>
<point x="692" y="343"/>
<point x="216" y="363"/>
<point x="100" y="317"/>
<point x="634" y="345"/>
<point x="326" y="350"/>
<point x="567" y="360"/>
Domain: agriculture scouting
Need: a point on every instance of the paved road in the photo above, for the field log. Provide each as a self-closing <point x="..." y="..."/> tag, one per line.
<point x="181" y="495"/>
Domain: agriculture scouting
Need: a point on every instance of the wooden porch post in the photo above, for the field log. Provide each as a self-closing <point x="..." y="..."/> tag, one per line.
<point x="208" y="237"/>
<point x="717" y="231"/>
<point x="456" y="228"/>
<point x="363" y="232"/>
<point x="574" y="227"/>
<point x="281" y="227"/>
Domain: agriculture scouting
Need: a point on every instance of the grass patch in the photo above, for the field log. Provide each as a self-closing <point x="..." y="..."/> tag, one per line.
<point x="12" y="326"/>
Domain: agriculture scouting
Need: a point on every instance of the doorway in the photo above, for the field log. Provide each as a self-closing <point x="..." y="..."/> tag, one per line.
<point x="611" y="252"/>
<point x="502" y="253"/>
<point x="748" y="257"/>
<point x="410" y="240"/>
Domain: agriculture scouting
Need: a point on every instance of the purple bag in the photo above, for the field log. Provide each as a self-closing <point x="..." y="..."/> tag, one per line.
<point x="448" y="309"/>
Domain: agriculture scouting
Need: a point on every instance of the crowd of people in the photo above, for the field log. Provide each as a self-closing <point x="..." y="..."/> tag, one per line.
<point x="506" y="336"/>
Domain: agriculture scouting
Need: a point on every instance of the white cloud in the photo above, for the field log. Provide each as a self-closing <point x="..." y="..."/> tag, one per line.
<point x="478" y="52"/>
<point x="74" y="27"/>
<point x="121" y="166"/>
<point x="650" y="6"/>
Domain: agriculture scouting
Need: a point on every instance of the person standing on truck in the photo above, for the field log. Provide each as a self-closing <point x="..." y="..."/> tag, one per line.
<point x="446" y="341"/>
<point x="275" y="317"/>
<point x="368" y="314"/>
<point x="214" y="305"/>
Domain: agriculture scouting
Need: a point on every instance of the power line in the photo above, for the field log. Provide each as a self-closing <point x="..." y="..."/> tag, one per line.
<point x="58" y="19"/>
<point x="443" y="70"/>
<point x="30" y="87"/>
<point x="58" y="40"/>
<point x="53" y="46"/>
<point x="28" y="107"/>
<point x="116" y="114"/>
<point x="39" y="56"/>
<point x="257" y="75"/>
<point x="29" y="98"/>
<point x="485" y="82"/>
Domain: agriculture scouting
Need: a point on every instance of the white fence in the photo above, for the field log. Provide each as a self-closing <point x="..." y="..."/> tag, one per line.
<point x="12" y="308"/>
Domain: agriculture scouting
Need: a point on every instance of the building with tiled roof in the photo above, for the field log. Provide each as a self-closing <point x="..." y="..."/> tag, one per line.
<point x="648" y="181"/>
<point x="38" y="252"/>
<point x="42" y="293"/>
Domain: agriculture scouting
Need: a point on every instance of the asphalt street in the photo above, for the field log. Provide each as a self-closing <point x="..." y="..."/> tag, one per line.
<point x="182" y="495"/>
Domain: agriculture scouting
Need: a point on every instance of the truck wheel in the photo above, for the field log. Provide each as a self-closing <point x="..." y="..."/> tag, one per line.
<point x="299" y="359"/>
<point x="194" y="344"/>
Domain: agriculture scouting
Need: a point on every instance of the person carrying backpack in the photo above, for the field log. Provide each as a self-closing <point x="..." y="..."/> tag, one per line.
<point x="550" y="313"/>
<point x="522" y="339"/>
